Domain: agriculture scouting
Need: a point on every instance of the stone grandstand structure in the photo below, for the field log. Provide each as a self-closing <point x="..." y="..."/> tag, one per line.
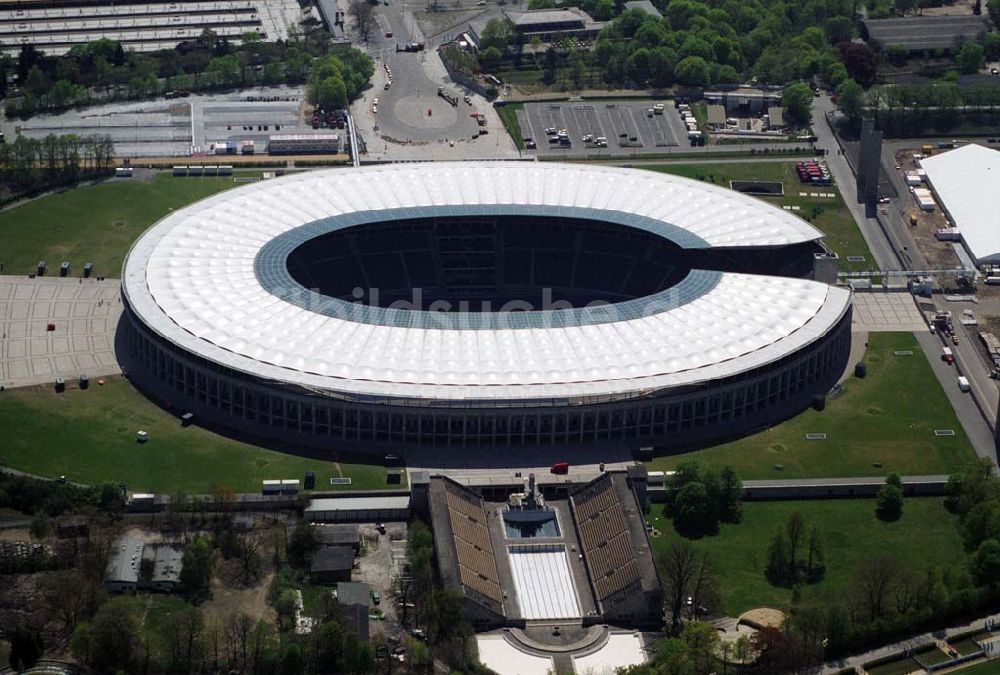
<point x="56" y="26"/>
<point x="468" y="561"/>
<point x="616" y="550"/>
<point x="597" y="569"/>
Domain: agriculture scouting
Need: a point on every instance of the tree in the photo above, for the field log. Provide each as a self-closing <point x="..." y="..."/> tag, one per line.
<point x="889" y="502"/>
<point x="196" y="570"/>
<point x="678" y="569"/>
<point x="993" y="9"/>
<point x="691" y="511"/>
<point x="839" y="29"/>
<point x="496" y="33"/>
<point x="970" y="57"/>
<point x="896" y="54"/>
<point x="364" y="17"/>
<point x="777" y="571"/>
<point x="859" y="60"/>
<point x="41" y="525"/>
<point x="985" y="563"/>
<point x="815" y="565"/>
<point x="26" y="647"/>
<point x="796" y="530"/>
<point x="797" y="102"/>
<point x="490" y="58"/>
<point x="113" y="639"/>
<point x="301" y="544"/>
<point x="331" y="93"/>
<point x="692" y="71"/>
<point x="991" y="46"/>
<point x="850" y="99"/>
<point x="701" y="640"/>
<point x="904" y="6"/>
<point x="873" y="582"/>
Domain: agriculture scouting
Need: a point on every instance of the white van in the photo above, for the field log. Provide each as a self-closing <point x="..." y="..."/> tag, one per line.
<point x="963" y="383"/>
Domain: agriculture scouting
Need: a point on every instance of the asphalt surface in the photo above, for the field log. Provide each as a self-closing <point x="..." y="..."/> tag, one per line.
<point x="617" y="121"/>
<point x="411" y="109"/>
<point x="894" y="249"/>
<point x="885" y="253"/>
<point x="176" y="127"/>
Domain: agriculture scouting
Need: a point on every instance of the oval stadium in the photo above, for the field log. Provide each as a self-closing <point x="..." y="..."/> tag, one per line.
<point x="484" y="305"/>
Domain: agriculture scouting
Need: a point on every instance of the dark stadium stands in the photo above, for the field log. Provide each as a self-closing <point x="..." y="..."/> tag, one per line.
<point x="476" y="560"/>
<point x="604" y="538"/>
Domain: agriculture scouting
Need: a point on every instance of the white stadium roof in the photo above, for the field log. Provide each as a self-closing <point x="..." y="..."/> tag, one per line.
<point x="967" y="183"/>
<point x="191" y="278"/>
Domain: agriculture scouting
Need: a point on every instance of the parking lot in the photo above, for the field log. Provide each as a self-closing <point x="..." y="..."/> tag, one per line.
<point x="175" y="127"/>
<point x="627" y="126"/>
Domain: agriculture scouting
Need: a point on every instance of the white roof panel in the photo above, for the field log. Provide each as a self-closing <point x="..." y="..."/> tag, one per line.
<point x="191" y="278"/>
<point x="967" y="182"/>
<point x="543" y="582"/>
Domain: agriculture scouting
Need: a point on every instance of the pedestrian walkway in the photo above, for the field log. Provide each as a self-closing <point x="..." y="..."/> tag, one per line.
<point x="57" y="327"/>
<point x="993" y="620"/>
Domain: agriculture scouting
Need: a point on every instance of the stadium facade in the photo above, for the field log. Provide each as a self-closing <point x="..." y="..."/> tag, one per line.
<point x="483" y="305"/>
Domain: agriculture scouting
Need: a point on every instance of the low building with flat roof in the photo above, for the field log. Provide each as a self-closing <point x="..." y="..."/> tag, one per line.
<point x="645" y="5"/>
<point x="331" y="564"/>
<point x="353" y="593"/>
<point x="925" y="33"/>
<point x="716" y="116"/>
<point x="392" y="508"/>
<point x="550" y="25"/>
<point x="124" y="572"/>
<point x="966" y="183"/>
<point x="338" y="535"/>
<point x="123" y="567"/>
<point x="167" y="564"/>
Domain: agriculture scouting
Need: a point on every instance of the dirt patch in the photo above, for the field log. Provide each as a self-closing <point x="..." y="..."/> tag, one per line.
<point x="764" y="617"/>
<point x="26" y="601"/>
<point x="956" y="8"/>
<point x="230" y="601"/>
<point x="938" y="254"/>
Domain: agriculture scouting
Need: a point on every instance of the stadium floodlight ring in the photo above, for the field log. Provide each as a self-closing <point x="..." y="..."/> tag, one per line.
<point x="211" y="282"/>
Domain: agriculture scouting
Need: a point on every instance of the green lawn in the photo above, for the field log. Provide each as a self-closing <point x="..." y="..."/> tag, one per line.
<point x="888" y="417"/>
<point x="95" y="223"/>
<point x="925" y="536"/>
<point x="829" y="215"/>
<point x="508" y="113"/>
<point x="902" y="666"/>
<point x="987" y="668"/>
<point x="90" y="437"/>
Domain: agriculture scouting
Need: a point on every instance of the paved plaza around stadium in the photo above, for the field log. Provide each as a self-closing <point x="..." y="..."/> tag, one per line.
<point x="84" y="315"/>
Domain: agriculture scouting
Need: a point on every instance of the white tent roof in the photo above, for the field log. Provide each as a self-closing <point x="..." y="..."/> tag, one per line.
<point x="191" y="278"/>
<point x="967" y="183"/>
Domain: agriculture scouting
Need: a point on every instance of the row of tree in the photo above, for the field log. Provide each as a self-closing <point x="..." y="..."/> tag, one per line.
<point x="29" y="166"/>
<point x="901" y="110"/>
<point x="102" y="70"/>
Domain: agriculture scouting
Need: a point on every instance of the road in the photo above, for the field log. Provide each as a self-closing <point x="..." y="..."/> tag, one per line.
<point x="885" y="254"/>
<point x="970" y="415"/>
<point x="895" y="249"/>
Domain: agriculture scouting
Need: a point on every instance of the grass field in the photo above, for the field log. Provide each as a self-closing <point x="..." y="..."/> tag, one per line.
<point x="925" y="536"/>
<point x="90" y="437"/>
<point x="888" y="417"/>
<point x="903" y="666"/>
<point x="95" y="223"/>
<point x="985" y="668"/>
<point x="828" y="215"/>
<point x="508" y="113"/>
